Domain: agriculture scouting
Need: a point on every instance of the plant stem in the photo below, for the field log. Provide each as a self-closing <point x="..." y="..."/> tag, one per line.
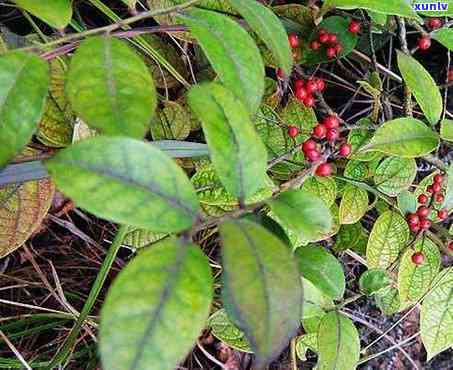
<point x="68" y="345"/>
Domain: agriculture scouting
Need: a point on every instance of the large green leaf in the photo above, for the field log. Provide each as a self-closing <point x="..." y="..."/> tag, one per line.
<point x="395" y="174"/>
<point x="302" y="212"/>
<point x="237" y="152"/>
<point x="232" y="53"/>
<point x="56" y="13"/>
<point x="126" y="181"/>
<point x="446" y="130"/>
<point x="354" y="204"/>
<point x="404" y="137"/>
<point x="167" y="287"/>
<point x="24" y="80"/>
<point x="338" y="343"/>
<point x="415" y="280"/>
<point x="322" y="187"/>
<point x="269" y="28"/>
<point x="321" y="268"/>
<point x="445" y="37"/>
<point x="422" y="85"/>
<point x="262" y="288"/>
<point x="392" y="7"/>
<point x="387" y="238"/>
<point x="110" y="87"/>
<point x="436" y="316"/>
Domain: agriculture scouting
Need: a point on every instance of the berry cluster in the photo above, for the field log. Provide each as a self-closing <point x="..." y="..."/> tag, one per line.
<point x="420" y="219"/>
<point x="304" y="90"/>
<point x="330" y="41"/>
<point x="424" y="42"/>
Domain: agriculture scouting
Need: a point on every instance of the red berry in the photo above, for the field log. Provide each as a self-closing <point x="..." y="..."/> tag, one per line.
<point x="293" y="40"/>
<point x="321" y="84"/>
<point x="424" y="43"/>
<point x="438" y="179"/>
<point x="332" y="134"/>
<point x="442" y="214"/>
<point x="309" y="101"/>
<point x="436" y="187"/>
<point x="312" y="155"/>
<point x="331" y="121"/>
<point x="450" y="246"/>
<point x="412" y="219"/>
<point x="299" y="84"/>
<point x="415" y="228"/>
<point x="439" y="198"/>
<point x="430" y="189"/>
<point x="331" y="52"/>
<point x="345" y="150"/>
<point x="422" y="199"/>
<point x="311" y="86"/>
<point x="323" y="170"/>
<point x="280" y="74"/>
<point x="434" y="23"/>
<point x="338" y="49"/>
<point x="323" y="38"/>
<point x="418" y="258"/>
<point x="422" y="211"/>
<point x="319" y="131"/>
<point x="301" y="93"/>
<point x="309" y="145"/>
<point x="425" y="224"/>
<point x="322" y="31"/>
<point x="450" y="75"/>
<point x="315" y="45"/>
<point x="354" y="27"/>
<point x="293" y="131"/>
<point x="332" y="38"/>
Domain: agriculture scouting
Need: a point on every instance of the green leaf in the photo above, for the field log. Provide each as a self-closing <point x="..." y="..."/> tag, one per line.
<point x="173" y="121"/>
<point x="415" y="280"/>
<point x="321" y="268"/>
<point x="407" y="202"/>
<point x="269" y="28"/>
<point x="126" y="181"/>
<point x="167" y="287"/>
<point x="338" y="343"/>
<point x="446" y="130"/>
<point x="404" y="137"/>
<point x="23" y="91"/>
<point x="303" y="213"/>
<point x="56" y="13"/>
<point x="262" y="289"/>
<point x="360" y="137"/>
<point x="314" y="301"/>
<point x="422" y="85"/>
<point x="444" y="36"/>
<point x="305" y="342"/>
<point x="357" y="170"/>
<point x="391" y="7"/>
<point x="139" y="238"/>
<point x="223" y="329"/>
<point x="374" y="280"/>
<point x="232" y="53"/>
<point x="110" y="87"/>
<point x="297" y="18"/>
<point x="436" y="316"/>
<point x="335" y="24"/>
<point x="237" y="152"/>
<point x="387" y="238"/>
<point x="388" y="300"/>
<point x="348" y="237"/>
<point x="322" y="187"/>
<point x="395" y="174"/>
<point x="354" y="204"/>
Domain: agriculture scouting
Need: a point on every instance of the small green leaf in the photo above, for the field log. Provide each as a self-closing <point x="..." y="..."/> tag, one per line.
<point x="237" y="152"/>
<point x="139" y="238"/>
<point x="126" y="181"/>
<point x="303" y="213"/>
<point x="338" y="343"/>
<point x="167" y="287"/>
<point x="407" y="202"/>
<point x="374" y="280"/>
<point x="387" y="238"/>
<point x="436" y="316"/>
<point x="348" y="237"/>
<point x="446" y="130"/>
<point x="357" y="170"/>
<point x="305" y="342"/>
<point x="404" y="137"/>
<point x="269" y="28"/>
<point x="110" y="87"/>
<point x="388" y="300"/>
<point x="322" y="187"/>
<point x="56" y="13"/>
<point x="395" y="174"/>
<point x="23" y="91"/>
<point x="422" y="85"/>
<point x="354" y="204"/>
<point x="314" y="301"/>
<point x="173" y="121"/>
<point x="322" y="269"/>
<point x="232" y="53"/>
<point x="415" y="280"/>
<point x="223" y="329"/>
<point x="444" y="36"/>
<point x="262" y="289"/>
<point x="360" y="137"/>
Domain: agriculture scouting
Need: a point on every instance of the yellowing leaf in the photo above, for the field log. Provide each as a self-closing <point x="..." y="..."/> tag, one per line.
<point x="354" y="204"/>
<point x="395" y="174"/>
